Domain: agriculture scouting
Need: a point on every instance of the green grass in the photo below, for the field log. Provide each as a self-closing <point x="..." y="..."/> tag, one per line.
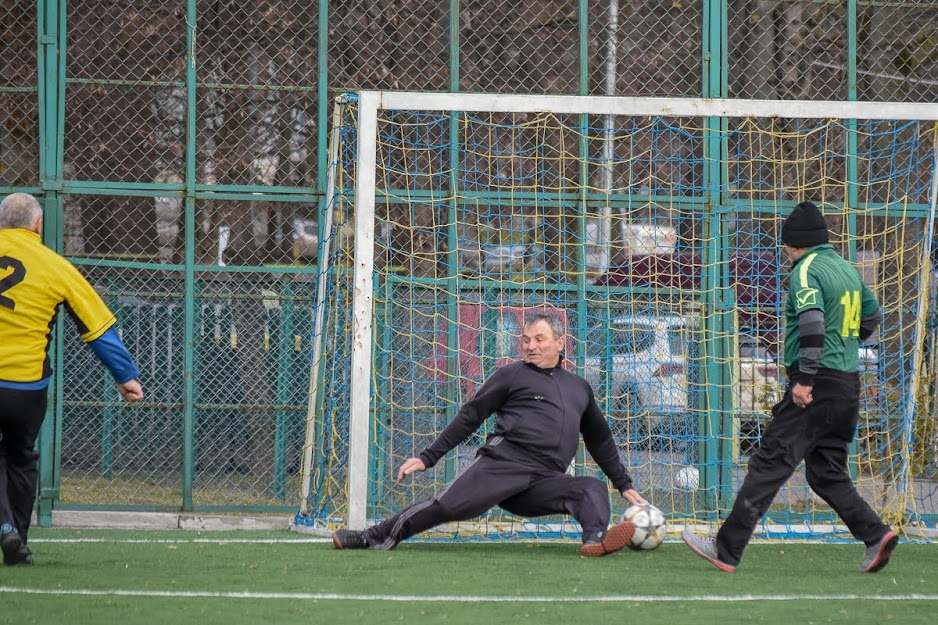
<point x="489" y="574"/>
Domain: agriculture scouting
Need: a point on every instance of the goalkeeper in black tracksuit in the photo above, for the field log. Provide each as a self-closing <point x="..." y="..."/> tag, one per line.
<point x="541" y="410"/>
<point x="828" y="312"/>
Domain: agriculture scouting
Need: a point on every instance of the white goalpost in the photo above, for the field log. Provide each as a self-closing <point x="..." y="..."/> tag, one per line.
<point x="469" y="209"/>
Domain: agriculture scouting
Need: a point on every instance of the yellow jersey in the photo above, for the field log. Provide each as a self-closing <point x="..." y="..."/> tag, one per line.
<point x="34" y="280"/>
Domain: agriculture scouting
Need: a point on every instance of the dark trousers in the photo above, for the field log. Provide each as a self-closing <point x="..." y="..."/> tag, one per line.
<point x="490" y="482"/>
<point x="21" y="415"/>
<point x="818" y="434"/>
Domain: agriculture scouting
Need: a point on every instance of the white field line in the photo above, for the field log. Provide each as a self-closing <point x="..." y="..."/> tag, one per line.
<point x="177" y="541"/>
<point x="315" y="596"/>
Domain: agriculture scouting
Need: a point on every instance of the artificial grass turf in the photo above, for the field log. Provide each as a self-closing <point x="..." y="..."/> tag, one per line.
<point x="489" y="574"/>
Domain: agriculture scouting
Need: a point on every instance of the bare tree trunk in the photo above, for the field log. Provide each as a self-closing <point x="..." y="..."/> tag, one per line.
<point x="882" y="26"/>
<point x="265" y="136"/>
<point x="169" y="113"/>
<point x="301" y="126"/>
<point x="792" y="73"/>
<point x="760" y="60"/>
<point x="211" y="123"/>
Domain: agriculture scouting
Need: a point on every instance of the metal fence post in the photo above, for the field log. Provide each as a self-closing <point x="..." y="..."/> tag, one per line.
<point x="285" y="362"/>
<point x="188" y="462"/>
<point x="50" y="40"/>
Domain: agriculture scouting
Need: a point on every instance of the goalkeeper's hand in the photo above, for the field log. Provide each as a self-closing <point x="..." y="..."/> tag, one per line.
<point x="632" y="496"/>
<point x="410" y="465"/>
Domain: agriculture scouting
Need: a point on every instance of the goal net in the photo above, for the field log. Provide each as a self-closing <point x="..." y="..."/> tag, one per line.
<point x="651" y="227"/>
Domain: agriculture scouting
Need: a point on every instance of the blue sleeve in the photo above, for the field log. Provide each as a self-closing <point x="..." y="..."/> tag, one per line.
<point x="110" y="349"/>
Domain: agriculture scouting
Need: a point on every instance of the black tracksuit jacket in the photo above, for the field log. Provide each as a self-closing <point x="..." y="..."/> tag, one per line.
<point x="540" y="414"/>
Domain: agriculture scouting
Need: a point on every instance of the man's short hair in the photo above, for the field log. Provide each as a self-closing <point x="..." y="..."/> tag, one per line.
<point x="19" y="210"/>
<point x="552" y="320"/>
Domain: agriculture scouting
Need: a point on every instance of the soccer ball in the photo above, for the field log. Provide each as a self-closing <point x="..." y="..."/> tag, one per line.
<point x="650" y="526"/>
<point x="688" y="478"/>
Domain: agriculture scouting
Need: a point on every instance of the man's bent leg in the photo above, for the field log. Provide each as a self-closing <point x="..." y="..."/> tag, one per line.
<point x="22" y="417"/>
<point x="826" y="463"/>
<point x="584" y="498"/>
<point x="783" y="446"/>
<point x="478" y="489"/>
<point x="23" y="478"/>
<point x="826" y="469"/>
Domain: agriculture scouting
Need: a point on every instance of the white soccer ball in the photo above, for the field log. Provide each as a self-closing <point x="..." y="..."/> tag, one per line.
<point x="688" y="478"/>
<point x="650" y="526"/>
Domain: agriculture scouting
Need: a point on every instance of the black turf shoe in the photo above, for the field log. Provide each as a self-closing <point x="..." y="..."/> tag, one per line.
<point x="23" y="557"/>
<point x="610" y="541"/>
<point x="877" y="555"/>
<point x="12" y="545"/>
<point x="349" y="539"/>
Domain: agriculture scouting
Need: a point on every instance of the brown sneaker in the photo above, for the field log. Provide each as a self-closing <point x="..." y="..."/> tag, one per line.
<point x="610" y="541"/>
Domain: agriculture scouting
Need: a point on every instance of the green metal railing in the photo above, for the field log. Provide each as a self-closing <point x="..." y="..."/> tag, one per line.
<point x="151" y="132"/>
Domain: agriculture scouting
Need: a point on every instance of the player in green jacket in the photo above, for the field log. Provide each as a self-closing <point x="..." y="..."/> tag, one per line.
<point x="828" y="313"/>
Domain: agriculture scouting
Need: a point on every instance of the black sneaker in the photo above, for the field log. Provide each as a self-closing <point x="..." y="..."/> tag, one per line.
<point x="23" y="557"/>
<point x="26" y="556"/>
<point x="10" y="543"/>
<point x="610" y="541"/>
<point x="349" y="539"/>
<point x="877" y="555"/>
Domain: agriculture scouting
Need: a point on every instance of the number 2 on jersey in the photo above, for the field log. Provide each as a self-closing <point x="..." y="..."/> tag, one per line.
<point x="851" y="303"/>
<point x="11" y="280"/>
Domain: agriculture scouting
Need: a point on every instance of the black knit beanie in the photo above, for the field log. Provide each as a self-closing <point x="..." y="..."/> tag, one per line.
<point x="805" y="227"/>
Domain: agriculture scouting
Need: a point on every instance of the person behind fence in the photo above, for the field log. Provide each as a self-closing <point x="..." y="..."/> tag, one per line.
<point x="828" y="313"/>
<point x="541" y="410"/>
<point x="34" y="281"/>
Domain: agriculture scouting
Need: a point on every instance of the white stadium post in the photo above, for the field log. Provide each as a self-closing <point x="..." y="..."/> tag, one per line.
<point x="363" y="305"/>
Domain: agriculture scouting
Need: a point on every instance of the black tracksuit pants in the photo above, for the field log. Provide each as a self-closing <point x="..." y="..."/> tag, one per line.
<point x="21" y="416"/>
<point x="490" y="482"/>
<point x="818" y="434"/>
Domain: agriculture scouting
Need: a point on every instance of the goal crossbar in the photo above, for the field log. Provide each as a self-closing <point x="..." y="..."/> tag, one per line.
<point x="634" y="106"/>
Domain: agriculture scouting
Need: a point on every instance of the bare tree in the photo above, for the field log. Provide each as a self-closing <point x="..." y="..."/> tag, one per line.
<point x="168" y="107"/>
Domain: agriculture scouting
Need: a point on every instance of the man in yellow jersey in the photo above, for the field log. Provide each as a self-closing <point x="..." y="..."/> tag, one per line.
<point x="34" y="280"/>
<point x="828" y="312"/>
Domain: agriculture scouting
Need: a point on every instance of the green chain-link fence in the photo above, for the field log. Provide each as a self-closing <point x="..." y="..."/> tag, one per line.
<point x="179" y="150"/>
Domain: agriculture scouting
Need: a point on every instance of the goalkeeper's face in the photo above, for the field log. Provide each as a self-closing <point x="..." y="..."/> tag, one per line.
<point x="539" y="346"/>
